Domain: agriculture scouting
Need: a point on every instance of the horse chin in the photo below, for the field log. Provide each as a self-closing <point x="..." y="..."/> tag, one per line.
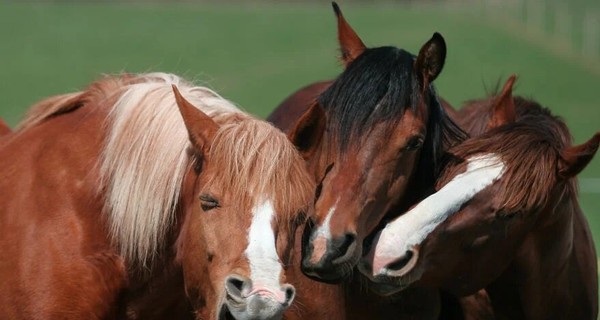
<point x="254" y="307"/>
<point x="224" y="313"/>
<point x="332" y="274"/>
<point x="386" y="289"/>
<point x="387" y="285"/>
<point x="333" y="278"/>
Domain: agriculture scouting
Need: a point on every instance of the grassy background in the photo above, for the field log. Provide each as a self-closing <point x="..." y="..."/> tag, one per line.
<point x="256" y="54"/>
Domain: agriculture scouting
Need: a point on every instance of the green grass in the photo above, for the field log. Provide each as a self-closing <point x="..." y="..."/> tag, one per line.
<point x="256" y="55"/>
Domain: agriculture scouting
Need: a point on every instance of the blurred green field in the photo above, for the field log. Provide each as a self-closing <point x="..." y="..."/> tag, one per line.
<point x="256" y="54"/>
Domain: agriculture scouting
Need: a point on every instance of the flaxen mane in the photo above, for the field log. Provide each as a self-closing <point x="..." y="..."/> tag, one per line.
<point x="530" y="149"/>
<point x="145" y="160"/>
<point x="259" y="161"/>
<point x="99" y="92"/>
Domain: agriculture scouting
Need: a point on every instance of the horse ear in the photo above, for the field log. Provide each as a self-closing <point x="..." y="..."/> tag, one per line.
<point x="350" y="44"/>
<point x="308" y="130"/>
<point x="504" y="111"/>
<point x="431" y="58"/>
<point x="201" y="128"/>
<point x="575" y="159"/>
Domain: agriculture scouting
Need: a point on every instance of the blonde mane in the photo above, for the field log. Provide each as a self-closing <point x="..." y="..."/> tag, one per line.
<point x="145" y="160"/>
<point x="48" y="107"/>
<point x="260" y="163"/>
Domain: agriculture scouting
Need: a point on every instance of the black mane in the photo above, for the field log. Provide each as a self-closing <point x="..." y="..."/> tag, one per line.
<point x="378" y="87"/>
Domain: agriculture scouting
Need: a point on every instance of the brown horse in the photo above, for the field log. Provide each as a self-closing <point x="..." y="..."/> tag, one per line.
<point x="375" y="132"/>
<point x="113" y="206"/>
<point x="505" y="217"/>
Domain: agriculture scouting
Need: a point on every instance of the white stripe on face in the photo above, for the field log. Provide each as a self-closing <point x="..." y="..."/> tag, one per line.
<point x="265" y="268"/>
<point x="321" y="237"/>
<point x="414" y="226"/>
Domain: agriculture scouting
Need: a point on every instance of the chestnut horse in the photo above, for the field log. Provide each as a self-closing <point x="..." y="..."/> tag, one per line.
<point x="129" y="201"/>
<point x="505" y="217"/>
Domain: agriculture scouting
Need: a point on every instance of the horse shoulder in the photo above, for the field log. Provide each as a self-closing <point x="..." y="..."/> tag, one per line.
<point x="57" y="259"/>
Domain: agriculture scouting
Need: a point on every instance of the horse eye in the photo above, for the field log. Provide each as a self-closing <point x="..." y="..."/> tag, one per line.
<point x="414" y="143"/>
<point x="208" y="203"/>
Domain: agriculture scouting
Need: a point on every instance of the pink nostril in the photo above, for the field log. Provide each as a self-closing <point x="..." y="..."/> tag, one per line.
<point x="379" y="264"/>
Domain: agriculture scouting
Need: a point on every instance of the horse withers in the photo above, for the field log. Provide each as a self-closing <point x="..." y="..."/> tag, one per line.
<point x="505" y="217"/>
<point x="137" y="199"/>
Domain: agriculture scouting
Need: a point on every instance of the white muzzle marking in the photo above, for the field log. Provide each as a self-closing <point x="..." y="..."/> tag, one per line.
<point x="322" y="236"/>
<point x="265" y="267"/>
<point x="410" y="229"/>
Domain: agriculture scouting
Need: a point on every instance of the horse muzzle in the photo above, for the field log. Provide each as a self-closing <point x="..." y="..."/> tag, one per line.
<point x="329" y="260"/>
<point x="245" y="301"/>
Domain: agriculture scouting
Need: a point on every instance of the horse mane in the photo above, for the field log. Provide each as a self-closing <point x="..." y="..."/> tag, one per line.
<point x="49" y="107"/>
<point x="378" y="87"/>
<point x="259" y="161"/>
<point x="146" y="158"/>
<point x="530" y="147"/>
<point x="98" y="92"/>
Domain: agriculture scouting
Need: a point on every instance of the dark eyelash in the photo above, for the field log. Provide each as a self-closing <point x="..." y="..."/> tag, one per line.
<point x="414" y="143"/>
<point x="207" y="202"/>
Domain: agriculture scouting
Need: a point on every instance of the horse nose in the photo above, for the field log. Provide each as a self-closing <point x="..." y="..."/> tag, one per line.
<point x="290" y="294"/>
<point x="328" y="261"/>
<point x="343" y="248"/>
<point x="247" y="300"/>
<point x="239" y="288"/>
<point x="236" y="286"/>
<point x="397" y="266"/>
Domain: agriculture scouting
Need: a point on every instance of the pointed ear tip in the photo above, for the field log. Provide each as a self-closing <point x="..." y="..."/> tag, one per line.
<point x="596" y="138"/>
<point x="511" y="80"/>
<point x="438" y="37"/>
<point x="336" y="8"/>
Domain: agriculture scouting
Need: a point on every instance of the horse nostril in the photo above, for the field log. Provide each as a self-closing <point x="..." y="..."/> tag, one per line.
<point x="290" y="293"/>
<point x="349" y="240"/>
<point x="234" y="285"/>
<point x="401" y="262"/>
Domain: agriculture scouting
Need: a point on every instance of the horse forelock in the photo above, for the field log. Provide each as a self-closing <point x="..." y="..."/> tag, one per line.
<point x="530" y="148"/>
<point x="376" y="87"/>
<point x="258" y="163"/>
<point x="144" y="159"/>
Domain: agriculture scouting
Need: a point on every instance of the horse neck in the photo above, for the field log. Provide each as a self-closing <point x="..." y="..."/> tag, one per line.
<point x="554" y="272"/>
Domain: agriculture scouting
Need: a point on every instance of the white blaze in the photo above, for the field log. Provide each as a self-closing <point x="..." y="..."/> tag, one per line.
<point x="415" y="225"/>
<point x="265" y="268"/>
<point x="324" y="230"/>
<point x="321" y="236"/>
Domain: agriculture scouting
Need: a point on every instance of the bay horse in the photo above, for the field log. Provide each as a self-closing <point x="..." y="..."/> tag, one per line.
<point x="128" y="200"/>
<point x="505" y="217"/>
<point x="374" y="133"/>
